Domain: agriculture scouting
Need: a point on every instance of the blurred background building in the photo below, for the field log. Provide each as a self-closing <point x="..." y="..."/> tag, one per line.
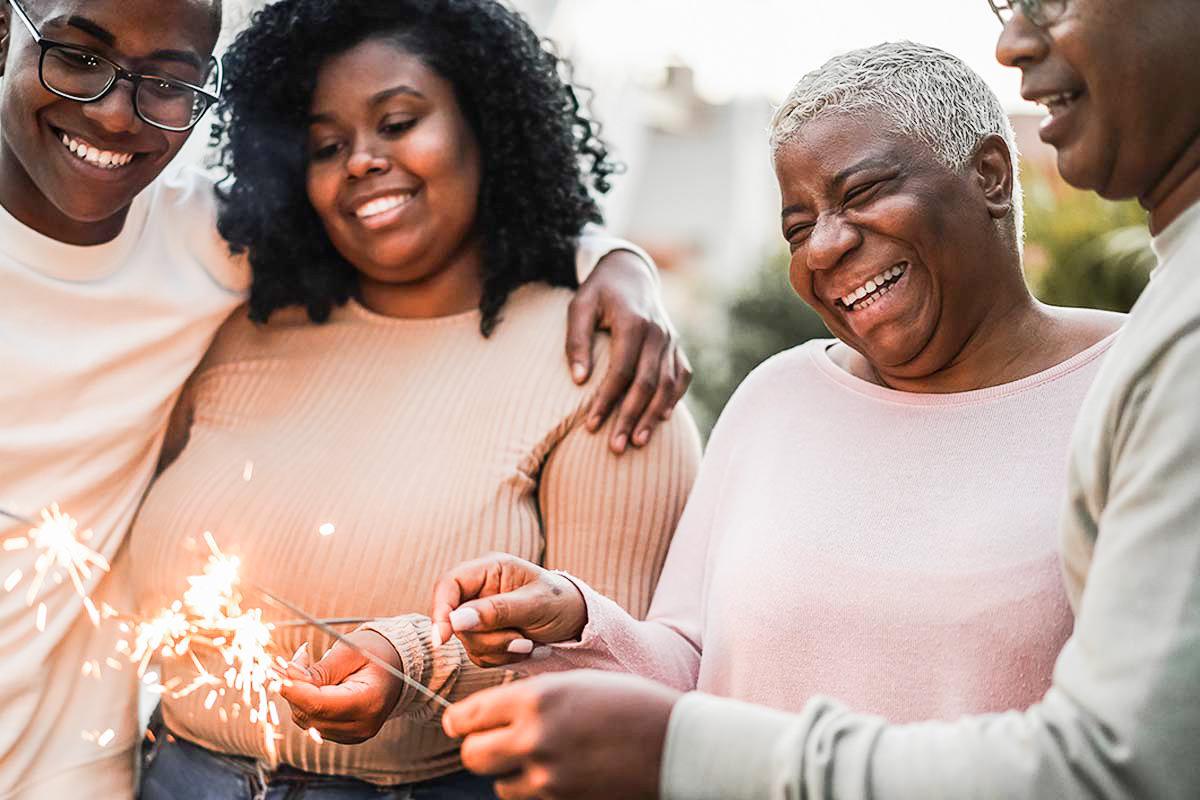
<point x="685" y="89"/>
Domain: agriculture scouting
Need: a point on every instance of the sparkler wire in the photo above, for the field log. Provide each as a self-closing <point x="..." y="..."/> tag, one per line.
<point x="325" y="628"/>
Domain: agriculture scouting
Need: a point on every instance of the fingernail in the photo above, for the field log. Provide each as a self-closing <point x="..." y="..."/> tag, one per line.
<point x="666" y="415"/>
<point x="642" y="437"/>
<point x="620" y="442"/>
<point x="594" y="424"/>
<point x="522" y="647"/>
<point x="579" y="372"/>
<point x="464" y="619"/>
<point x="300" y="652"/>
<point x="436" y="636"/>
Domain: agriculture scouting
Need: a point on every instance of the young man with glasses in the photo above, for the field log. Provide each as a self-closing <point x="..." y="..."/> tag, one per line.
<point x="1122" y="719"/>
<point x="114" y="280"/>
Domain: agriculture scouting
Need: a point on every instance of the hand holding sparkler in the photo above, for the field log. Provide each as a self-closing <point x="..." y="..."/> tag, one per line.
<point x="346" y="696"/>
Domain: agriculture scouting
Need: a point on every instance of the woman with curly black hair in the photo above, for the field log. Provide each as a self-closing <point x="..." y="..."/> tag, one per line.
<point x="411" y="178"/>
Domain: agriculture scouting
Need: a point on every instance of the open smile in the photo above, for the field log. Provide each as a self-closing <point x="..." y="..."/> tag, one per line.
<point x="92" y="155"/>
<point x="382" y="210"/>
<point x="1060" y="103"/>
<point x="873" y="290"/>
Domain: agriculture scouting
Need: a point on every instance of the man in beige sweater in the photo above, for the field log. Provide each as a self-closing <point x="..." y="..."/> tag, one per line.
<point x="1122" y="719"/>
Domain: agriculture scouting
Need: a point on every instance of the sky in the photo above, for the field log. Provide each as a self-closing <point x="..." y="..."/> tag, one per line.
<point x="764" y="46"/>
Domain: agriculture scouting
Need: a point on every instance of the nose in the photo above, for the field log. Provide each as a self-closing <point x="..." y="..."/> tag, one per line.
<point x="114" y="112"/>
<point x="831" y="239"/>
<point x="364" y="161"/>
<point x="1021" y="43"/>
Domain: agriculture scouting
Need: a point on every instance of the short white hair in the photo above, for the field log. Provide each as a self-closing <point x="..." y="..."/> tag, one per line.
<point x="927" y="93"/>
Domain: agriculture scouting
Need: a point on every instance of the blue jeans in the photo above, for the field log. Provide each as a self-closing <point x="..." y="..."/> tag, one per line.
<point x="174" y="769"/>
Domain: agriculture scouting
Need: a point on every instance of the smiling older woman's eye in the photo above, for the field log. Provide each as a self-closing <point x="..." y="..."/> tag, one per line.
<point x="862" y="190"/>
<point x="797" y="234"/>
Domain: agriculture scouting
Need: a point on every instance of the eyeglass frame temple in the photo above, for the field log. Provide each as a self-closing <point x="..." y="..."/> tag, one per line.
<point x="25" y="18"/>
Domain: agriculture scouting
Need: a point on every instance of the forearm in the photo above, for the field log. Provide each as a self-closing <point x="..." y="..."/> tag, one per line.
<point x="615" y="641"/>
<point x="446" y="671"/>
<point x="724" y="749"/>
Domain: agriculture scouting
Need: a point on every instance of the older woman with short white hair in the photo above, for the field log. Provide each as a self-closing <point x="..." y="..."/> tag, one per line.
<point x="875" y="516"/>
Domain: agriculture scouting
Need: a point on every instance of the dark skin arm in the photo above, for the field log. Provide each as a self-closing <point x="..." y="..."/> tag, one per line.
<point x="649" y="372"/>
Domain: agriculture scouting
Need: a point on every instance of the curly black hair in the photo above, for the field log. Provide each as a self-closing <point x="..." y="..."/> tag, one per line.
<point x="542" y="159"/>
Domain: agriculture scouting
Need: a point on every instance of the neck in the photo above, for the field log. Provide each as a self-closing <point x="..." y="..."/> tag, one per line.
<point x="454" y="288"/>
<point x="21" y="198"/>
<point x="1005" y="347"/>
<point x="1177" y="190"/>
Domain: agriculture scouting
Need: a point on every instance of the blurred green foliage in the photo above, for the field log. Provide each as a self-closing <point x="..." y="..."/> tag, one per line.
<point x="763" y="318"/>
<point x="1080" y="250"/>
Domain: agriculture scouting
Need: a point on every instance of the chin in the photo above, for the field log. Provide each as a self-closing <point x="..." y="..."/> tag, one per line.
<point x="1084" y="169"/>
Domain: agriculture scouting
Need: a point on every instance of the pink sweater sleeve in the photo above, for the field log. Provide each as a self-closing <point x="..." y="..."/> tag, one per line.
<point x="666" y="646"/>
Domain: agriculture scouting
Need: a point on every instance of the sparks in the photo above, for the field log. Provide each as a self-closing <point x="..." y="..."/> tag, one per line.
<point x="62" y="551"/>
<point x="210" y="615"/>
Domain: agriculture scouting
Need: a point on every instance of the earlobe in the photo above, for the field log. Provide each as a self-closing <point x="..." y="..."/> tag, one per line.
<point x="994" y="172"/>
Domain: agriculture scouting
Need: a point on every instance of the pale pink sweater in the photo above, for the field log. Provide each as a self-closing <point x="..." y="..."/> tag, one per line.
<point x="897" y="551"/>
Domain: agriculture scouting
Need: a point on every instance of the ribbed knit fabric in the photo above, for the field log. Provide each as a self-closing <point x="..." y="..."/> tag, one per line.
<point x="423" y="444"/>
<point x="891" y="549"/>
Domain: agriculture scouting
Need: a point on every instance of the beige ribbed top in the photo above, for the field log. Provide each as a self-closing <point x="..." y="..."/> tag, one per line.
<point x="422" y="444"/>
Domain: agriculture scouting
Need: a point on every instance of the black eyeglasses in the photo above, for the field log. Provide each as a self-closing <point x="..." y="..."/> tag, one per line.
<point x="77" y="73"/>
<point x="1041" y="13"/>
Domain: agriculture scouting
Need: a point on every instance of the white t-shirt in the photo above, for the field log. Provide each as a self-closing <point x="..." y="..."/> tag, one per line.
<point x="95" y="343"/>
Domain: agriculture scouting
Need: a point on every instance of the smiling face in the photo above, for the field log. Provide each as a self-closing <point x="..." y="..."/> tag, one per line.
<point x="900" y="256"/>
<point x="394" y="175"/>
<point x="1119" y="79"/>
<point x="70" y="169"/>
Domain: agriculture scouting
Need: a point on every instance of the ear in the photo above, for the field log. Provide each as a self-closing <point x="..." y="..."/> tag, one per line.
<point x="993" y="173"/>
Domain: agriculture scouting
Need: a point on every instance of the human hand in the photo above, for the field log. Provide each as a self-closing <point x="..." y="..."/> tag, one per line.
<point x="648" y="372"/>
<point x="499" y="605"/>
<point x="577" y="735"/>
<point x="344" y="696"/>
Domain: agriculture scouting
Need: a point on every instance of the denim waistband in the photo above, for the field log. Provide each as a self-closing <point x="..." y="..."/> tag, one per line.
<point x="259" y="774"/>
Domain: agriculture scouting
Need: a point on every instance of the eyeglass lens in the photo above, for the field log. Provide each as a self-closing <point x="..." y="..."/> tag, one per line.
<point x="82" y="76"/>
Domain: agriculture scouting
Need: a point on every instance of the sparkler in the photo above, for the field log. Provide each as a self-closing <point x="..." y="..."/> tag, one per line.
<point x="321" y="626"/>
<point x="62" y="550"/>
<point x="211" y="614"/>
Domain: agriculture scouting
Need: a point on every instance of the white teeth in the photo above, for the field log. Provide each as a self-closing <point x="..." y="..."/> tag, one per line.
<point x="873" y="289"/>
<point x="381" y="204"/>
<point x="1057" y="100"/>
<point x="105" y="159"/>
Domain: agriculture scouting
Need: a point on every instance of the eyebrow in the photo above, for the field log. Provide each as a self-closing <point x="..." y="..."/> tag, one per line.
<point x="376" y="99"/>
<point x="106" y="37"/>
<point x="388" y="94"/>
<point x="870" y="162"/>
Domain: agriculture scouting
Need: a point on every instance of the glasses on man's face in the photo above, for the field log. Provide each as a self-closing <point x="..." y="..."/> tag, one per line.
<point x="1041" y="13"/>
<point x="77" y="73"/>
